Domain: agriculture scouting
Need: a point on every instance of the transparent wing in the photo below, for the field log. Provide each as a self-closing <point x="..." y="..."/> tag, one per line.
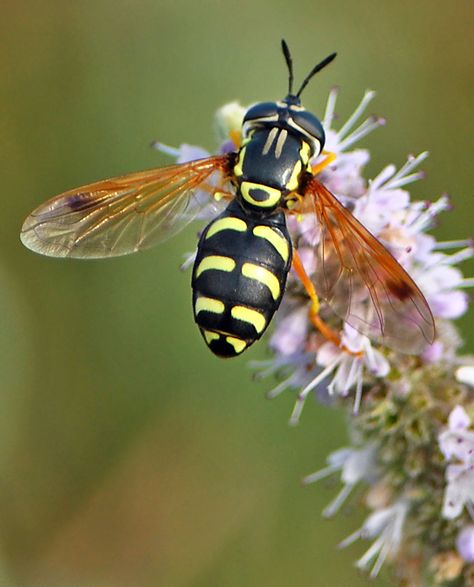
<point x="363" y="283"/>
<point x="124" y="214"/>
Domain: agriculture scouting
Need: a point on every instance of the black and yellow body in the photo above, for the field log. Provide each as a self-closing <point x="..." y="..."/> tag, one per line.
<point x="245" y="254"/>
<point x="239" y="277"/>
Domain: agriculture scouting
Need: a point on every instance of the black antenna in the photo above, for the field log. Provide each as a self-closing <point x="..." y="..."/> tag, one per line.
<point x="315" y="70"/>
<point x="289" y="63"/>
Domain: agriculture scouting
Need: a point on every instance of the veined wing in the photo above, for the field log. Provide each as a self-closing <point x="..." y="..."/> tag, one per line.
<point x="363" y="283"/>
<point x="124" y="214"/>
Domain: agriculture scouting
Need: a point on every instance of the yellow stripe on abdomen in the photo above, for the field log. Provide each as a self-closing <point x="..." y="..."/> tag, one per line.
<point x="238" y="344"/>
<point x="252" y="317"/>
<point x="275" y="239"/>
<point x="204" y="304"/>
<point x="264" y="276"/>
<point x="228" y="223"/>
<point x="210" y="336"/>
<point x="215" y="262"/>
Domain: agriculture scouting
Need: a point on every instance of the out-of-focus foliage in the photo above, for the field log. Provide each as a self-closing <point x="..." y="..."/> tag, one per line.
<point x="128" y="454"/>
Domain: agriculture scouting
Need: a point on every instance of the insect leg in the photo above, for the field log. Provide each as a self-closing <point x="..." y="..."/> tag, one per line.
<point x="236" y="138"/>
<point x="293" y="199"/>
<point x="316" y="320"/>
<point x="330" y="157"/>
<point x="217" y="192"/>
<point x="313" y="296"/>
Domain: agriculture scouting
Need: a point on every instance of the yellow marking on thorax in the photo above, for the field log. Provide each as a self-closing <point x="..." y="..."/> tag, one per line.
<point x="275" y="239"/>
<point x="210" y="336"/>
<point x="238" y="344"/>
<point x="270" y="138"/>
<point x="215" y="262"/>
<point x="305" y="153"/>
<point x="294" y="181"/>
<point x="280" y="143"/>
<point x="250" y="316"/>
<point x="204" y="304"/>
<point x="264" y="276"/>
<point x="229" y="223"/>
<point x="238" y="171"/>
<point x="273" y="195"/>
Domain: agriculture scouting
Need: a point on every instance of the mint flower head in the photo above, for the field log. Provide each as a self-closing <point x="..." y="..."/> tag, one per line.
<point x="409" y="415"/>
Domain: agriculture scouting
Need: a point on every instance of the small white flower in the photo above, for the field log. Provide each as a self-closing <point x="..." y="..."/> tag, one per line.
<point x="459" y="491"/>
<point x="457" y="443"/>
<point x="229" y="118"/>
<point x="347" y="369"/>
<point x="386" y="527"/>
<point x="465" y="375"/>
<point x="354" y="464"/>
<point x="295" y="369"/>
<point x="183" y="153"/>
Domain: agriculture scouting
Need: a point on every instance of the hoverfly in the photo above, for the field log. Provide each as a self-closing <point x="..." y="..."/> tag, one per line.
<point x="245" y="253"/>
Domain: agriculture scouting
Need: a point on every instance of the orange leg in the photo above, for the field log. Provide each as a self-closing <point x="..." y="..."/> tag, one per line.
<point x="313" y="296"/>
<point x="236" y="138"/>
<point x="216" y="192"/>
<point x="330" y="157"/>
<point x="219" y="194"/>
<point x="317" y="322"/>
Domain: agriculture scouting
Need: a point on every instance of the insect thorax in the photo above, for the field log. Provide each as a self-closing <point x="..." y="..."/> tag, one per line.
<point x="269" y="166"/>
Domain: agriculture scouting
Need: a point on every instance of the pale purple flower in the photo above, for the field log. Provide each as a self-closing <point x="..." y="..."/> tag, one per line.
<point x="355" y="465"/>
<point x="384" y="206"/>
<point x="459" y="492"/>
<point x="294" y="370"/>
<point x="440" y="283"/>
<point x="433" y="352"/>
<point x="465" y="543"/>
<point x="292" y="332"/>
<point x="349" y="369"/>
<point x="457" y="441"/>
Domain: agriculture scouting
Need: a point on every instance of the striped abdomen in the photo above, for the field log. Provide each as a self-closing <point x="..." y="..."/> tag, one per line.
<point x="239" y="277"/>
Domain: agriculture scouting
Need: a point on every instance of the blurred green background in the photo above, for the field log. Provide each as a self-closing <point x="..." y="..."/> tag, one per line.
<point x="129" y="455"/>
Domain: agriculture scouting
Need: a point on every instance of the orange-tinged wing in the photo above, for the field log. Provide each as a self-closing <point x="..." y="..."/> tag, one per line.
<point x="363" y="283"/>
<point x="124" y="214"/>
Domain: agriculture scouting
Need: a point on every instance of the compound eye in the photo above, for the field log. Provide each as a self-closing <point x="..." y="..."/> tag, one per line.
<point x="310" y="125"/>
<point x="265" y="111"/>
